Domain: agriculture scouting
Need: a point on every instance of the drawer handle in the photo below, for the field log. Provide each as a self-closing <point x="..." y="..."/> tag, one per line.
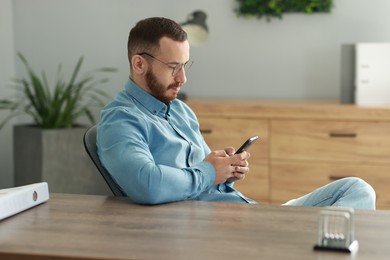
<point x="342" y="135"/>
<point x="335" y="178"/>
<point x="206" y="131"/>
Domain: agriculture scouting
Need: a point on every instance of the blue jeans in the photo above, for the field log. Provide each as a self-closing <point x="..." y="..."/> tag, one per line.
<point x="348" y="192"/>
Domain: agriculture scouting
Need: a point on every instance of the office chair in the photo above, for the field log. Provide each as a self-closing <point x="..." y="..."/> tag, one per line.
<point x="90" y="147"/>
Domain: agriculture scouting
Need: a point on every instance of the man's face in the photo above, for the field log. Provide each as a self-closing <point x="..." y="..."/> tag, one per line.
<point x="159" y="90"/>
<point x="159" y="77"/>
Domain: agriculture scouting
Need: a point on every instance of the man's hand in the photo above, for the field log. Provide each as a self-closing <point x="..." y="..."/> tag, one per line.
<point x="228" y="166"/>
<point x="241" y="169"/>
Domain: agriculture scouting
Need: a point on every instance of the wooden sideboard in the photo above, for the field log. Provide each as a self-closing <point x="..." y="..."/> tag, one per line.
<point x="303" y="145"/>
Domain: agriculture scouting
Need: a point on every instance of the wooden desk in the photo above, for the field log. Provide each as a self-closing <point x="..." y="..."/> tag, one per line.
<point x="98" y="227"/>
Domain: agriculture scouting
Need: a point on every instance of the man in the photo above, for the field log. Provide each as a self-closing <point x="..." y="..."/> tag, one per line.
<point x="150" y="141"/>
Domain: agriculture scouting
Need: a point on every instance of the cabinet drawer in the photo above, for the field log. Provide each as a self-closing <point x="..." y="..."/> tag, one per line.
<point x="222" y="132"/>
<point x="331" y="141"/>
<point x="291" y="180"/>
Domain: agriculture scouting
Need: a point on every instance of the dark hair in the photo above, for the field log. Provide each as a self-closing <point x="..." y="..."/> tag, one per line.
<point x="146" y="34"/>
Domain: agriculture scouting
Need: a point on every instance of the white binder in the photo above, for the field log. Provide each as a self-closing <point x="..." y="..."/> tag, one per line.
<point x="372" y="74"/>
<point x="15" y="200"/>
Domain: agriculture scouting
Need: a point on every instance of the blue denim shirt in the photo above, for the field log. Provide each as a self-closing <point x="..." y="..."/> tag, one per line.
<point x="155" y="151"/>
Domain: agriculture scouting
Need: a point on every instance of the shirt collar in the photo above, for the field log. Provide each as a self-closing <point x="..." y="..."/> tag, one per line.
<point x="151" y="103"/>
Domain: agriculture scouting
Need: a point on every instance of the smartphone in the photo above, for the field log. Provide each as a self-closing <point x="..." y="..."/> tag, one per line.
<point x="247" y="143"/>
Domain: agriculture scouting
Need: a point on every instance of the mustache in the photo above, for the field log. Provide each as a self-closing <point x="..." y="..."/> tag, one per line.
<point x="174" y="85"/>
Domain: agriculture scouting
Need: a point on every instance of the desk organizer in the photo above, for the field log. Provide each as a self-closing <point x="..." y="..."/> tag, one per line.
<point x="336" y="230"/>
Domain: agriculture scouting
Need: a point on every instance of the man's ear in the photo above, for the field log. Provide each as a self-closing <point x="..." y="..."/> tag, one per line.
<point x="138" y="65"/>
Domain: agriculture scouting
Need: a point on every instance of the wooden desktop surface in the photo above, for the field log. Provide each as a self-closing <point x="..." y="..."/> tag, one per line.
<point x="99" y="227"/>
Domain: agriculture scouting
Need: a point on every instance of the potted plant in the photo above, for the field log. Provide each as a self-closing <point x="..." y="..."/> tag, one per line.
<point x="51" y="148"/>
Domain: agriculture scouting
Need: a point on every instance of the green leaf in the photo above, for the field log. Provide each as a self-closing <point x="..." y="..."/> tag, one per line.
<point x="276" y="8"/>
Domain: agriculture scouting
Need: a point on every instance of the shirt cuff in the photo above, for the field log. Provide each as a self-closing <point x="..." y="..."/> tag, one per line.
<point x="208" y="171"/>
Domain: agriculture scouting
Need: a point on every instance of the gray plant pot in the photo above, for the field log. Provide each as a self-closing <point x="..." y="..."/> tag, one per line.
<point x="58" y="157"/>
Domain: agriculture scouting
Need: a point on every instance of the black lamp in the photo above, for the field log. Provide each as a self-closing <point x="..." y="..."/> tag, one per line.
<point x="196" y="28"/>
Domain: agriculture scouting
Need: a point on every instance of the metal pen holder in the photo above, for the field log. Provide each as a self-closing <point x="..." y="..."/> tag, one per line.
<point x="336" y="230"/>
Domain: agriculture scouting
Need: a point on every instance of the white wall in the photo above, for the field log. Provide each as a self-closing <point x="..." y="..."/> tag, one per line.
<point x="7" y="72"/>
<point x="297" y="57"/>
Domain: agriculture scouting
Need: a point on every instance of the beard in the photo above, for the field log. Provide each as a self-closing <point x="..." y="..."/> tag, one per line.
<point x="158" y="90"/>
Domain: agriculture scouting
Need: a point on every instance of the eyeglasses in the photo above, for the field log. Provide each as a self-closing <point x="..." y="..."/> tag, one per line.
<point x="176" y="67"/>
